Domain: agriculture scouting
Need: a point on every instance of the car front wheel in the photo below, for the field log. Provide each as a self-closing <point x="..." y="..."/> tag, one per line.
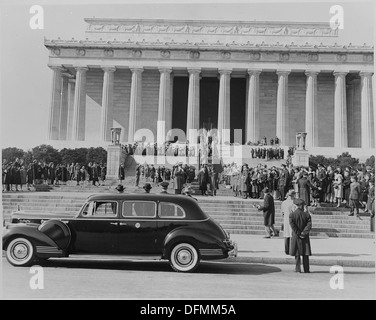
<point x="184" y="258"/>
<point x="20" y="252"/>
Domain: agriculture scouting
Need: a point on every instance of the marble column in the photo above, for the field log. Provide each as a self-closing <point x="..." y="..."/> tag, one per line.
<point x="311" y="123"/>
<point x="79" y="108"/>
<point x="71" y="90"/>
<point x="135" y="101"/>
<point x="63" y="122"/>
<point x="253" y="106"/>
<point x="193" y="109"/>
<point x="55" y="102"/>
<point x="282" y="122"/>
<point x="163" y="103"/>
<point x="224" y="105"/>
<point x="366" y="110"/>
<point x="107" y="103"/>
<point x="340" y="113"/>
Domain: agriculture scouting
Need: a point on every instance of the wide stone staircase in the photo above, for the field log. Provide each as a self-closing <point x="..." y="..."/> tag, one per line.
<point x="236" y="215"/>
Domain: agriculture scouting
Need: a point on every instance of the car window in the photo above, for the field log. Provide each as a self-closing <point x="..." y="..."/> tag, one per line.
<point x="170" y="210"/>
<point x="100" y="209"/>
<point x="143" y="209"/>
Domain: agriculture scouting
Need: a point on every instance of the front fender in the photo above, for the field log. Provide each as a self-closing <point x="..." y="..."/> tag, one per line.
<point x="197" y="238"/>
<point x="29" y="231"/>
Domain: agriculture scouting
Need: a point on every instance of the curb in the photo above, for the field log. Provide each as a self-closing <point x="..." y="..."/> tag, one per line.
<point x="312" y="261"/>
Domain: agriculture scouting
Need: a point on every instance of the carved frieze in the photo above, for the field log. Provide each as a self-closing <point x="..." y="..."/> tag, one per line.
<point x="368" y="57"/>
<point x="56" y="51"/>
<point x="284" y="56"/>
<point x="226" y="55"/>
<point x="194" y="54"/>
<point x="165" y="53"/>
<point x="109" y="52"/>
<point x="341" y="57"/>
<point x="137" y="53"/>
<point x="80" y="52"/>
<point x="210" y="27"/>
<point x="313" y="57"/>
<point x="255" y="56"/>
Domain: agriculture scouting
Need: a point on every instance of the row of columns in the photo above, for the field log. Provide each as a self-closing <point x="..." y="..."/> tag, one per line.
<point x="63" y="88"/>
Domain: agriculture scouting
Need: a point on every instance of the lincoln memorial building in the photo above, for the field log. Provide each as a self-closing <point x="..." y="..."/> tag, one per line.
<point x="266" y="78"/>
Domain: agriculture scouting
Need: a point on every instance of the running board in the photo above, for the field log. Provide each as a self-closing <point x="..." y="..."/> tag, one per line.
<point x="113" y="257"/>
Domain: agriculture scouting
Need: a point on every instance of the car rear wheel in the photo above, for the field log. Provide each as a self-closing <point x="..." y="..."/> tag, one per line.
<point x="184" y="258"/>
<point x="20" y="252"/>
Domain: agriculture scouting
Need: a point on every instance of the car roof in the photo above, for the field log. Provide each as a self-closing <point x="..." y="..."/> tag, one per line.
<point x="195" y="212"/>
<point x="140" y="196"/>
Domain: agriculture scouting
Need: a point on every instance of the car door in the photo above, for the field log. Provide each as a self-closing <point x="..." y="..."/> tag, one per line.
<point x="170" y="216"/>
<point x="96" y="228"/>
<point x="138" y="227"/>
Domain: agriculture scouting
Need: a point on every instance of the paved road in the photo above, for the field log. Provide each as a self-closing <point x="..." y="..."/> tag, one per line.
<point x="117" y="279"/>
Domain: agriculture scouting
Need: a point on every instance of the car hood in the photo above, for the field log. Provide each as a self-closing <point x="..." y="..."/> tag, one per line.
<point x="35" y="217"/>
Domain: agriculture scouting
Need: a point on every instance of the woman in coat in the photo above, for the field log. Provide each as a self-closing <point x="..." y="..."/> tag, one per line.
<point x="300" y="245"/>
<point x="329" y="186"/>
<point x="304" y="188"/>
<point x="244" y="182"/>
<point x="338" y="187"/>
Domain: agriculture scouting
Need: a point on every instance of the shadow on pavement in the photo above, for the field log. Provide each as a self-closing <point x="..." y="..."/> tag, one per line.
<point x="340" y="255"/>
<point x="161" y="266"/>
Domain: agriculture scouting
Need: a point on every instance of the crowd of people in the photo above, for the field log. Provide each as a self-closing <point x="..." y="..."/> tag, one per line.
<point x="17" y="174"/>
<point x="177" y="177"/>
<point x="314" y="186"/>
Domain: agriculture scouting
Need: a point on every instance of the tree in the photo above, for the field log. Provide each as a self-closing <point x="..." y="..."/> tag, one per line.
<point x="69" y="156"/>
<point x="315" y="160"/>
<point x="98" y="155"/>
<point x="371" y="162"/>
<point x="10" y="154"/>
<point x="46" y="153"/>
<point x="346" y="160"/>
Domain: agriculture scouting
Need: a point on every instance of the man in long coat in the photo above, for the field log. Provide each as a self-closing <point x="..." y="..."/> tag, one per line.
<point x="282" y="182"/>
<point x="178" y="178"/>
<point x="269" y="214"/>
<point x="300" y="245"/>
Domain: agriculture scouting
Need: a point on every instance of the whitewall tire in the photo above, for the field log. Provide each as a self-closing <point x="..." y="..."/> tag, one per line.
<point x="20" y="252"/>
<point x="184" y="258"/>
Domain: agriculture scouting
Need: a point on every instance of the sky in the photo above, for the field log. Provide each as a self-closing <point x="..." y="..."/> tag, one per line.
<point x="25" y="79"/>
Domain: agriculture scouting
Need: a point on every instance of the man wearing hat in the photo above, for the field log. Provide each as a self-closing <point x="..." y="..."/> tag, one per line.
<point x="120" y="188"/>
<point x="300" y="245"/>
<point x="269" y="213"/>
<point x="147" y="187"/>
<point x="287" y="207"/>
<point x="282" y="182"/>
<point x="164" y="186"/>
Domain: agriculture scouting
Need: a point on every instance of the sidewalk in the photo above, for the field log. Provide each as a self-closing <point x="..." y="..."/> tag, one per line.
<point x="326" y="251"/>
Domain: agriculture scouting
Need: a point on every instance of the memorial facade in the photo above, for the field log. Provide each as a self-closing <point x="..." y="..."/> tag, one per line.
<point x="264" y="78"/>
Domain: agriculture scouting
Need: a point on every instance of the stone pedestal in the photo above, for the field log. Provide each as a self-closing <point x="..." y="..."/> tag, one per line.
<point x="301" y="158"/>
<point x="115" y="156"/>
